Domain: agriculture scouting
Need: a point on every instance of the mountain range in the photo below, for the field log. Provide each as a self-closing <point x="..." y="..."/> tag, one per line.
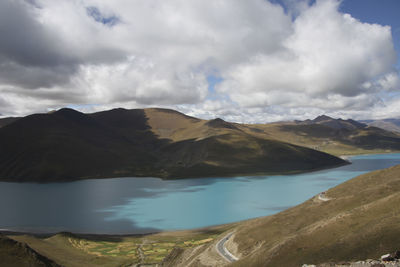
<point x="69" y="145"/>
<point x="333" y="136"/>
<point x="392" y="125"/>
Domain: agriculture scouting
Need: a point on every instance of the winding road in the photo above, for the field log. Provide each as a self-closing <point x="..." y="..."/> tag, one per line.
<point x="223" y="251"/>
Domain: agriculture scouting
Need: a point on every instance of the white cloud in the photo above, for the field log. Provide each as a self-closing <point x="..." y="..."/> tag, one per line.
<point x="273" y="65"/>
<point x="328" y="54"/>
<point x="141" y="80"/>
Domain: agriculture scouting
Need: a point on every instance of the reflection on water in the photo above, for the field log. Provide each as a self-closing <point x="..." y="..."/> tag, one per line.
<point x="137" y="205"/>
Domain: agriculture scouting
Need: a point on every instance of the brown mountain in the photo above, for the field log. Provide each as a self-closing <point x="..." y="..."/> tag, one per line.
<point x="65" y="145"/>
<point x="68" y="145"/>
<point x="333" y="136"/>
<point x="392" y="125"/>
<point x="334" y="123"/>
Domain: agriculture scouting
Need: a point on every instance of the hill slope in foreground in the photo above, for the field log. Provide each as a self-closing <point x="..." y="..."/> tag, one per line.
<point x="69" y="145"/>
<point x="359" y="221"/>
<point x="14" y="253"/>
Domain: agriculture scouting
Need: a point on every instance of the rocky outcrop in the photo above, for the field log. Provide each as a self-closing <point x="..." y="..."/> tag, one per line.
<point x="391" y="259"/>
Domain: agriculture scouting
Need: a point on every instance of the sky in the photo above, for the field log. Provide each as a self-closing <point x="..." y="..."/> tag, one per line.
<point x="252" y="61"/>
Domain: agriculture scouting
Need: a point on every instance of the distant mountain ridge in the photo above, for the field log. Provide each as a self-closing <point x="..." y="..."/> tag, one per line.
<point x="392" y="125"/>
<point x="334" y="136"/>
<point x="335" y="123"/>
<point x="69" y="145"/>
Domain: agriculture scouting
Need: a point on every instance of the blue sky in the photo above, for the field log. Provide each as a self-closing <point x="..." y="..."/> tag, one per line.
<point x="244" y="61"/>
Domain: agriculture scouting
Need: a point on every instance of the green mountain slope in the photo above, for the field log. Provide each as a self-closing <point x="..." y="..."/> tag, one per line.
<point x="69" y="145"/>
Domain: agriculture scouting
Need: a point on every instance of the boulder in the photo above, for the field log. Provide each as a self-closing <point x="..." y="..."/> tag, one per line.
<point x="387" y="257"/>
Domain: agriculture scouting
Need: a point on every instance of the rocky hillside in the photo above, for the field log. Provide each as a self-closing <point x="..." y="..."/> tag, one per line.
<point x="390" y="259"/>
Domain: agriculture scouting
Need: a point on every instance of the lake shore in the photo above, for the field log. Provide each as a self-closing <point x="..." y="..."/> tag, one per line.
<point x="113" y="204"/>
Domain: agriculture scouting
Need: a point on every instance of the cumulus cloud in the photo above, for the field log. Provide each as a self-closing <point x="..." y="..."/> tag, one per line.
<point x="271" y="62"/>
<point x="143" y="81"/>
<point x="328" y="54"/>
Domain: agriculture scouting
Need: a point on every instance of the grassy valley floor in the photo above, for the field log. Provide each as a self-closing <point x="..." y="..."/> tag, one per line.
<point x="67" y="249"/>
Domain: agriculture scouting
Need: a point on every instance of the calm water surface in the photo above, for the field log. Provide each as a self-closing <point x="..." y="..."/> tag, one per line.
<point x="138" y="205"/>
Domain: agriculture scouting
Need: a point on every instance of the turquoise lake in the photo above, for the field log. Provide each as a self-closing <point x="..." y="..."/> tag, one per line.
<point x="141" y="205"/>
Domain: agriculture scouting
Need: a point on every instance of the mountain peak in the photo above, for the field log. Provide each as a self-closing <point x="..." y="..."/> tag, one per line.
<point x="337" y="123"/>
<point x="220" y="123"/>
<point x="65" y="111"/>
<point x="322" y="118"/>
<point x="68" y="113"/>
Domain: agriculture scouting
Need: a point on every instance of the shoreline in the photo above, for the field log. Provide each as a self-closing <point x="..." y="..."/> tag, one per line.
<point x="349" y="156"/>
<point x="7" y="231"/>
<point x="226" y="226"/>
<point x="294" y="172"/>
<point x="345" y="157"/>
<point x="364" y="154"/>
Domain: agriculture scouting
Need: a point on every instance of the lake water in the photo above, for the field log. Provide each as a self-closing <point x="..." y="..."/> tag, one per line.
<point x="139" y="205"/>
